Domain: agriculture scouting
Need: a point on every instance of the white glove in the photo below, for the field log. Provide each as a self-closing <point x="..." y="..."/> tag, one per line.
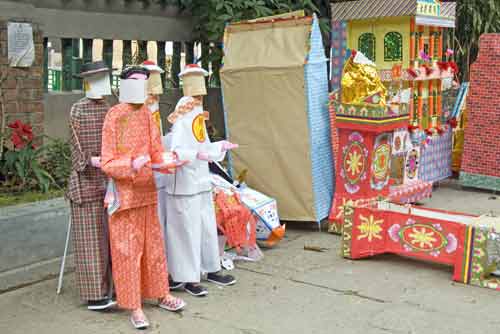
<point x="95" y="162"/>
<point x="140" y="161"/>
<point x="226" y="146"/>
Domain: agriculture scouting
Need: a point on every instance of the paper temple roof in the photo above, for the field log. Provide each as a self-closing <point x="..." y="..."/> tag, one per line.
<point x="367" y="9"/>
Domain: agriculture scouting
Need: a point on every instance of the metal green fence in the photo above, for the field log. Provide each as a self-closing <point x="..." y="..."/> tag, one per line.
<point x="54" y="82"/>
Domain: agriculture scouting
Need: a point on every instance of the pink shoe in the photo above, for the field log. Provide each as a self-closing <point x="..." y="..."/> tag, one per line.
<point x="172" y="304"/>
<point x="139" y="321"/>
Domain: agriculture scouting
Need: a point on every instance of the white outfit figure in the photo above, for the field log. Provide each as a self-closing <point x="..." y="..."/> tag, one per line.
<point x="186" y="206"/>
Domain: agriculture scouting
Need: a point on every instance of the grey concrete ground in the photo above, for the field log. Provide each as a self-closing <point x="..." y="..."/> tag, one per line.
<point x="294" y="291"/>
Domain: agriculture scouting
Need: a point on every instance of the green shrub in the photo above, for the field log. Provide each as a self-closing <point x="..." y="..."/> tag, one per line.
<point x="58" y="161"/>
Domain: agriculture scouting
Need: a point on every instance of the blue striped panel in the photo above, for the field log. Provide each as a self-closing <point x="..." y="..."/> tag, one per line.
<point x="316" y="79"/>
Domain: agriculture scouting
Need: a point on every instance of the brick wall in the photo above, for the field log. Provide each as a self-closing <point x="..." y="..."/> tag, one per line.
<point x="482" y="134"/>
<point x="23" y="88"/>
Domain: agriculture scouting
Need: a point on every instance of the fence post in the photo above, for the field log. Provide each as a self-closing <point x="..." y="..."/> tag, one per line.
<point x="126" y="53"/>
<point x="205" y="52"/>
<point x="142" y="46"/>
<point x="107" y="54"/>
<point x="87" y="50"/>
<point x="160" y="55"/>
<point x="176" y="63"/>
<point x="76" y="64"/>
<point x="45" y="64"/>
<point x="67" y="55"/>
<point x="189" y="49"/>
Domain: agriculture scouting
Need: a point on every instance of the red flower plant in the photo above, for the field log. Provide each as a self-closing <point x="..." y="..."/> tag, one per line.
<point x="22" y="134"/>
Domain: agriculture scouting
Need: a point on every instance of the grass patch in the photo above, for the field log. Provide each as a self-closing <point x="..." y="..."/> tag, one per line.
<point x="7" y="199"/>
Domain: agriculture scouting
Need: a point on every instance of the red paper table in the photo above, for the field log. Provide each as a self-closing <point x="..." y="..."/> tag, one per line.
<point x="363" y="159"/>
<point x="463" y="241"/>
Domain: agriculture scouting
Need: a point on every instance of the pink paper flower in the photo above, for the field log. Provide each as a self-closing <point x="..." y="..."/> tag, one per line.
<point x="435" y="253"/>
<point x="394" y="232"/>
<point x="452" y="243"/>
<point x="449" y="52"/>
<point x="424" y="56"/>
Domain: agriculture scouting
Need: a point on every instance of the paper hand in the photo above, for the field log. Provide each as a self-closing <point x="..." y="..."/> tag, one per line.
<point x="226" y="146"/>
<point x="95" y="162"/>
<point x="140" y="161"/>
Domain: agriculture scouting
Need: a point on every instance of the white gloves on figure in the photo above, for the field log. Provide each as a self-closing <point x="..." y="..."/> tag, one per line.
<point x="226" y="146"/>
<point x="95" y="162"/>
<point x="140" y="161"/>
<point x="202" y="156"/>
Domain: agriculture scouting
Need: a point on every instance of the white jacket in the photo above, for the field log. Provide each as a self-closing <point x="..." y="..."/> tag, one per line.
<point x="188" y="137"/>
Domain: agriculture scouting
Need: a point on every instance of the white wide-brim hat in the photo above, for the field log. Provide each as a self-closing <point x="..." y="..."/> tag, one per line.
<point x="193" y="69"/>
<point x="152" y="67"/>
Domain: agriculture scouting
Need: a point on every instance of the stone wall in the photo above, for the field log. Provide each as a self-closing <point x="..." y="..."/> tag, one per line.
<point x="21" y="91"/>
<point x="481" y="157"/>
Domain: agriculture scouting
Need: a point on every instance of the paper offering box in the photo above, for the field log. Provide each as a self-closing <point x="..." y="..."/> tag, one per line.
<point x="265" y="210"/>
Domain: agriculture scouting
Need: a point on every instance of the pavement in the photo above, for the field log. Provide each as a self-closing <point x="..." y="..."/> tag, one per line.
<point x="293" y="290"/>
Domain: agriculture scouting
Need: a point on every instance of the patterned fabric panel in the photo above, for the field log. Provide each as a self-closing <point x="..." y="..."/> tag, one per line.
<point x="364" y="9"/>
<point x="338" y="51"/>
<point x="435" y="163"/>
<point x="319" y="125"/>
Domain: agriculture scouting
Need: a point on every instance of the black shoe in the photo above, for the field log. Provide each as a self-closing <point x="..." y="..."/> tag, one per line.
<point x="173" y="285"/>
<point x="223" y="280"/>
<point x="99" y="305"/>
<point x="195" y="290"/>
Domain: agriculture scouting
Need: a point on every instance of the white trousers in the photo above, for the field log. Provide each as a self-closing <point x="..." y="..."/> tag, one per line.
<point x="190" y="232"/>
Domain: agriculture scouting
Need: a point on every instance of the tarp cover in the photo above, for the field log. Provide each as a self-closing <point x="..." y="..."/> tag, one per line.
<point x="264" y="98"/>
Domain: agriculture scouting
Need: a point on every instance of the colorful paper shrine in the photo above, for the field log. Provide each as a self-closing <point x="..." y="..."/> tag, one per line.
<point x="275" y="91"/>
<point x="365" y="124"/>
<point x="470" y="244"/>
<point x="409" y="41"/>
<point x="481" y="148"/>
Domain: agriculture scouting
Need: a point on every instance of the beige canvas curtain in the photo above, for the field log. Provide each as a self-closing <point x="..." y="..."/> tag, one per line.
<point x="264" y="97"/>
